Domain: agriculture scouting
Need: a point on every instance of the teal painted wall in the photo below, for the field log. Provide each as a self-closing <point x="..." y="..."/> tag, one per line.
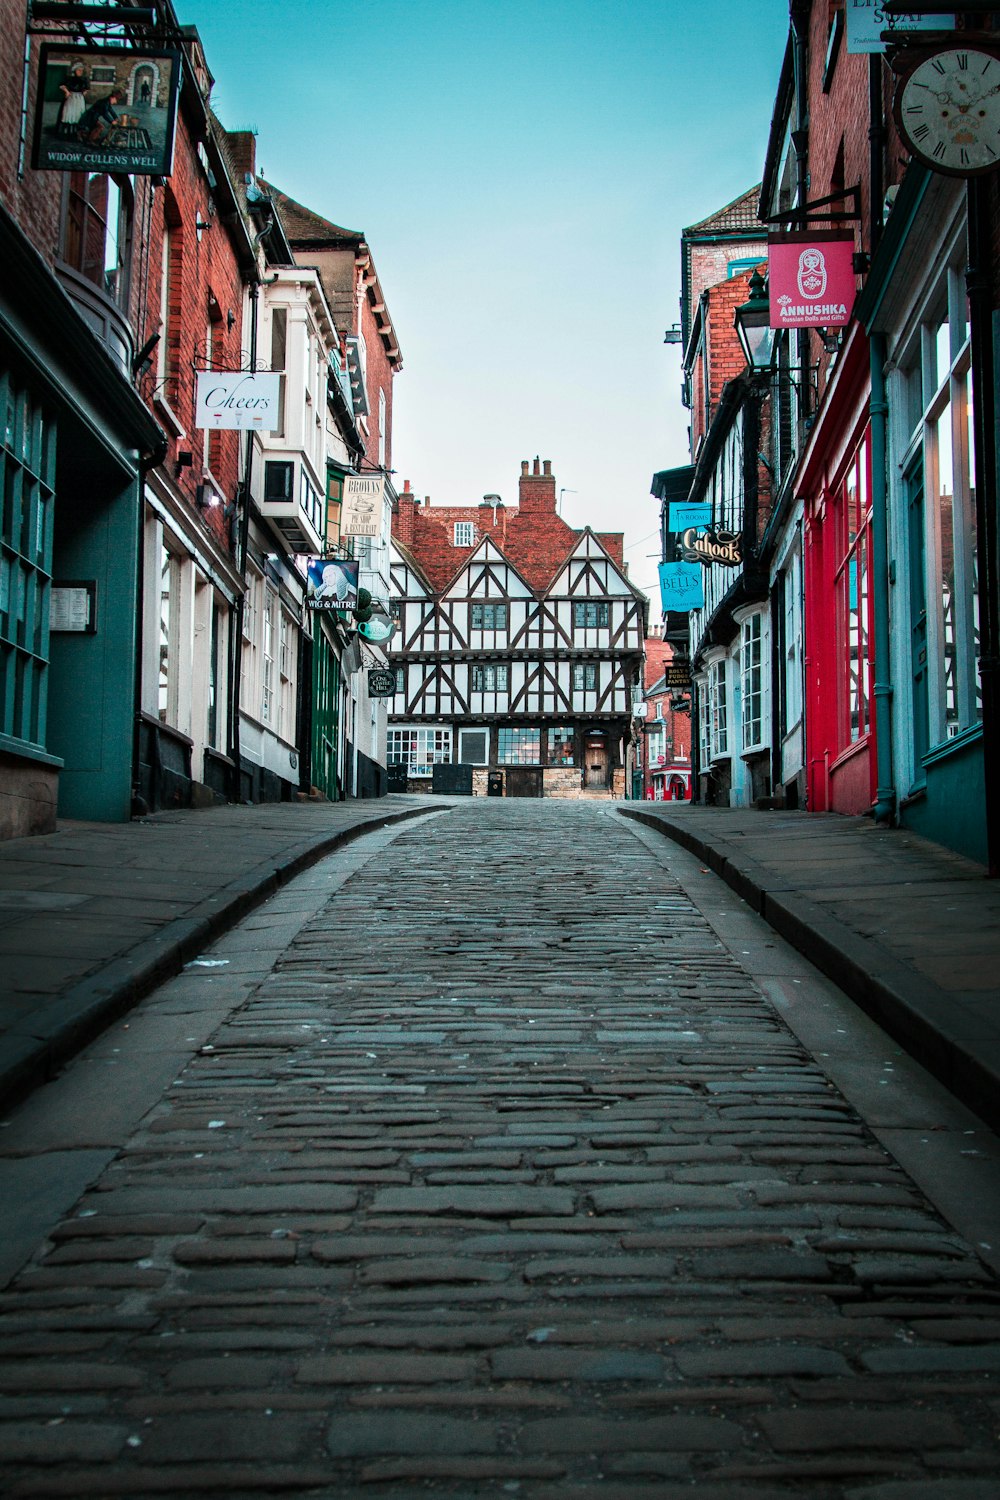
<point x="92" y="677"/>
<point x="953" y="811"/>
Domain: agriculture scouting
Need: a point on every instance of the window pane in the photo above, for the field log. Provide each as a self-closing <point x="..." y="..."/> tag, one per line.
<point x="519" y="747"/>
<point x="561" y="751"/>
<point x="946" y="515"/>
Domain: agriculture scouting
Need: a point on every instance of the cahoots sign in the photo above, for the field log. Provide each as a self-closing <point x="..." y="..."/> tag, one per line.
<point x="711" y="547"/>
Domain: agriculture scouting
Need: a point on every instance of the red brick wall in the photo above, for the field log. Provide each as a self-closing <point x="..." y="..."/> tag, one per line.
<point x="35" y="201"/>
<point x="204" y="268"/>
<point x="536" y="491"/>
<point x="380" y="377"/>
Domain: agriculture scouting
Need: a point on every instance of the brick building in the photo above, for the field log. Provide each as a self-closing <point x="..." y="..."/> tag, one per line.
<point x="863" y="673"/>
<point x="77" y="442"/>
<point x="519" y="647"/>
<point x="665" y="747"/>
<point x="155" y="649"/>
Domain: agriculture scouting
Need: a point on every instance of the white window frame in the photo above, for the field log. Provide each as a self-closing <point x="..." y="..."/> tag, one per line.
<point x="718" y="708"/>
<point x="753" y="698"/>
<point x="471" y="760"/>
<point x="427" y="746"/>
<point x="464" y="534"/>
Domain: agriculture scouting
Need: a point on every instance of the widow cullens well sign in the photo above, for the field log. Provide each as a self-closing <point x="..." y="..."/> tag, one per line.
<point x="106" y="109"/>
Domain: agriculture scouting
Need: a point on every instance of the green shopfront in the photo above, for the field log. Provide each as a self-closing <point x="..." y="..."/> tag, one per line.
<point x="74" y="439"/>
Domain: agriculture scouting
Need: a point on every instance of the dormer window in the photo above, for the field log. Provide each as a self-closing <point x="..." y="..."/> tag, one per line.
<point x="465" y="534"/>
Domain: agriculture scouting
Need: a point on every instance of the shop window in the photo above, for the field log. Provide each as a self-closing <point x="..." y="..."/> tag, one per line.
<point x="853" y="595"/>
<point x="519" y="747"/>
<point x="562" y="747"/>
<point x="419" y="750"/>
<point x="168" y="683"/>
<point x="215" y="708"/>
<point x="27" y="476"/>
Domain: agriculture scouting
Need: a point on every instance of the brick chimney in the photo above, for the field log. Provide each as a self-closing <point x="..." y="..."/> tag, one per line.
<point x="402" y="518"/>
<point x="536" y="492"/>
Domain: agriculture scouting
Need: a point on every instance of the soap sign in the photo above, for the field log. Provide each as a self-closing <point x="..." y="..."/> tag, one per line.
<point x="867" y="20"/>
<point x="238" y="400"/>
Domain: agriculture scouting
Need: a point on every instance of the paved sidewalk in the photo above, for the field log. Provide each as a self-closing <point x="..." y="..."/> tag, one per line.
<point x="908" y="929"/>
<point x="95" y="915"/>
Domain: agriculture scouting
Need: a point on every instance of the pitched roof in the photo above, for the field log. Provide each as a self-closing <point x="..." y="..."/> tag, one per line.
<point x="740" y="214"/>
<point x="536" y="543"/>
<point x="303" y="226"/>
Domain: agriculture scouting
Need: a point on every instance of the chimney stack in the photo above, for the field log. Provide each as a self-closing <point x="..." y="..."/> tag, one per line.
<point x="536" y="492"/>
<point x="402" y="517"/>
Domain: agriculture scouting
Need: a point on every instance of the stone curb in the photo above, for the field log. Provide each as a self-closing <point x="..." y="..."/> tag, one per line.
<point x="32" y="1053"/>
<point x="914" y="1011"/>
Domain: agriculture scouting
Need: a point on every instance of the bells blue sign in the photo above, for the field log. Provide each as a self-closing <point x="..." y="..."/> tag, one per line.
<point x="681" y="586"/>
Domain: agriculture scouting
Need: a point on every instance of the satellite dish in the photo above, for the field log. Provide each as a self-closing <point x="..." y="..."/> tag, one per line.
<point x="376" y="630"/>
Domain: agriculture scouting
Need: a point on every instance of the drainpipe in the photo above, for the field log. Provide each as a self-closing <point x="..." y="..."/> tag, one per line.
<point x="242" y="527"/>
<point x="885" y="791"/>
<point x="876" y="142"/>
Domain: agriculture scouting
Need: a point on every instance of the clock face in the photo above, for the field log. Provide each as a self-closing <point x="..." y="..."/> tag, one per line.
<point x="948" y="109"/>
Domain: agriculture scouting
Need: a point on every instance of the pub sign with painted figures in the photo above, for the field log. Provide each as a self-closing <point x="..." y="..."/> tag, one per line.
<point x="107" y="109"/>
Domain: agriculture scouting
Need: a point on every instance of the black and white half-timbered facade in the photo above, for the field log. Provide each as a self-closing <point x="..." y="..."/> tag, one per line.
<point x="518" y="649"/>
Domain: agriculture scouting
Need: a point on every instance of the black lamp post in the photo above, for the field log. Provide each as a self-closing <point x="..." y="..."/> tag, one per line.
<point x="753" y="325"/>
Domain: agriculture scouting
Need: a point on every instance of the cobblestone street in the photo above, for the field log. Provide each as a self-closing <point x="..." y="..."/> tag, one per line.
<point x="480" y="1165"/>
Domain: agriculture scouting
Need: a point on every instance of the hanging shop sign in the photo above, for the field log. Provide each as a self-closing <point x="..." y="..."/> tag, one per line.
<point x="709" y="547"/>
<point x="378" y="630"/>
<point x="381" y="684"/>
<point x="238" y="400"/>
<point x="681" y="586"/>
<point x="361" y="510"/>
<point x="867" y="20"/>
<point x="811" y="279"/>
<point x="682" y="516"/>
<point x="106" y="109"/>
<point x="678" y="673"/>
<point x="332" y="583"/>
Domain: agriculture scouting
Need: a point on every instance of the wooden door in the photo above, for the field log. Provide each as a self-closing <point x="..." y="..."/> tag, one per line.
<point x="523" y="781"/>
<point x="595" y="765"/>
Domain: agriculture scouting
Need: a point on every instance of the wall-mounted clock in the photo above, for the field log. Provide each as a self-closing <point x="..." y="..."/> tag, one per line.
<point x="947" y="107"/>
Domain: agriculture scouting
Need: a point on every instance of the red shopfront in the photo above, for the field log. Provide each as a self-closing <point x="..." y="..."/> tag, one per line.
<point x="839" y="634"/>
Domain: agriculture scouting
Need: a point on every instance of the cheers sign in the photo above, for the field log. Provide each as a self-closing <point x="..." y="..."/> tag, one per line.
<point x="238" y="400"/>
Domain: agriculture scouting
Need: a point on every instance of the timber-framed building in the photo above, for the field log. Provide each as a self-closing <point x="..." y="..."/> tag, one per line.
<point x="518" y="650"/>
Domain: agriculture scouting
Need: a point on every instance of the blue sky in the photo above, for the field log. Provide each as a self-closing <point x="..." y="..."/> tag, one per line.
<point x="522" y="172"/>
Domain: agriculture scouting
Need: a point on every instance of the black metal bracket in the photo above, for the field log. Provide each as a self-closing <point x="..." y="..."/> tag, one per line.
<point x="806" y="214"/>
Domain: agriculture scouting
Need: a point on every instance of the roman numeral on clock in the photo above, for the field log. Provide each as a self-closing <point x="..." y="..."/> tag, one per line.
<point x="921" y="131"/>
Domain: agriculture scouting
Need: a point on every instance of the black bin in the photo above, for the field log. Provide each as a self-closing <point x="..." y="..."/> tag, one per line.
<point x="494" y="784"/>
<point x="395" y="775"/>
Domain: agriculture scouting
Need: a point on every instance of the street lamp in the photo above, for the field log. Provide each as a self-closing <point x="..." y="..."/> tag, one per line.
<point x="752" y="322"/>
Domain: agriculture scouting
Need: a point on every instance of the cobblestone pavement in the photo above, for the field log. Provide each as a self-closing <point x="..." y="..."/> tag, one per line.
<point x="505" y="1180"/>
